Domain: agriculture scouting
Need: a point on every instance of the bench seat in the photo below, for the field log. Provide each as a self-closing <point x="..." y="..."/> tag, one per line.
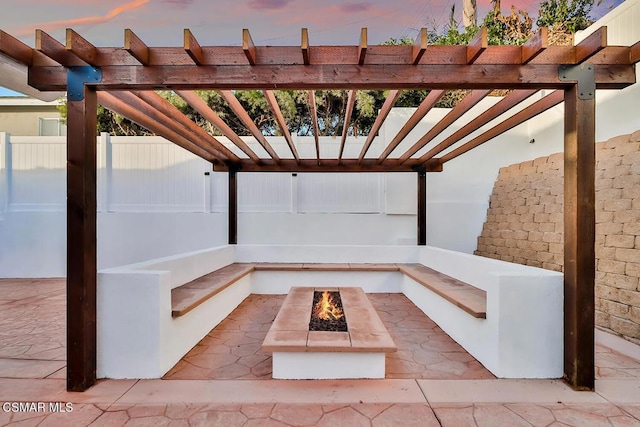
<point x="461" y="294"/>
<point x="188" y="296"/>
<point x="469" y="298"/>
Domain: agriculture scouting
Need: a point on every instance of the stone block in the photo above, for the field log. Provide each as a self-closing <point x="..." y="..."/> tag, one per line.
<point x="547" y="226"/>
<point x="629" y="215"/>
<point x="630" y="297"/>
<point x="626" y="147"/>
<point x="613" y="308"/>
<point x="545" y="257"/>
<point x="616" y="205"/>
<point x="551" y="237"/>
<point x="635" y="136"/>
<point x="617" y="171"/>
<point x="628" y="255"/>
<point x="603" y="183"/>
<point x="617" y="141"/>
<point x="602" y="216"/>
<point x="556" y="248"/>
<point x="532" y="200"/>
<point x="541" y="217"/>
<point x="607" y="292"/>
<point x="621" y="281"/>
<point x="635" y="203"/>
<point x="607" y="163"/>
<point x="620" y="241"/>
<point x="609" y="228"/>
<point x="534" y="209"/>
<point x="605" y="252"/>
<point x="626" y="181"/>
<point x="609" y="194"/>
<point x="552" y="208"/>
<point x="634" y="314"/>
<point x="625" y="327"/>
<point x="557" y="217"/>
<point x="611" y="266"/>
<point x="552" y="266"/>
<point x="544" y="191"/>
<point x="632" y="228"/>
<point x="632" y="269"/>
<point x="602" y="319"/>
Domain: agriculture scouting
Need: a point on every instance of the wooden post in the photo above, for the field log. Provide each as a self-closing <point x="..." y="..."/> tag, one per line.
<point x="81" y="241"/>
<point x="579" y="239"/>
<point x="422" y="207"/>
<point x="233" y="207"/>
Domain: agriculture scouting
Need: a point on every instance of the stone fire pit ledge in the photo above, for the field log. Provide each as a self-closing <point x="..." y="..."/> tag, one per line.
<point x="366" y="332"/>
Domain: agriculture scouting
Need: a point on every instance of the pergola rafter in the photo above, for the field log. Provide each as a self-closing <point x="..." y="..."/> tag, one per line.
<point x="477" y="67"/>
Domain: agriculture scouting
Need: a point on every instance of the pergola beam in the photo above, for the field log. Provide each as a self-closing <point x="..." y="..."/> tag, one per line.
<point x="304" y="46"/>
<point x="201" y="107"/>
<point x="56" y="50"/>
<point x="330" y="76"/>
<point x="249" y="47"/>
<point x="362" y="48"/>
<point x="171" y="113"/>
<point x="520" y="117"/>
<point x="512" y="99"/>
<point x="136" y="47"/>
<point x="246" y="120"/>
<point x="377" y="124"/>
<point x="634" y="53"/>
<point x="471" y="99"/>
<point x="313" y="112"/>
<point x="591" y="45"/>
<point x="425" y="106"/>
<point x="535" y="45"/>
<point x="282" y="123"/>
<point x="351" y="102"/>
<point x="419" y="46"/>
<point x="134" y="114"/>
<point x="15" y="49"/>
<point x="324" y="165"/>
<point x="80" y="47"/>
<point x="477" y="45"/>
<point x="192" y="47"/>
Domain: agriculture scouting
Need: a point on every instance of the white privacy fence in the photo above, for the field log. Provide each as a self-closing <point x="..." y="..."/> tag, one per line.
<point x="150" y="174"/>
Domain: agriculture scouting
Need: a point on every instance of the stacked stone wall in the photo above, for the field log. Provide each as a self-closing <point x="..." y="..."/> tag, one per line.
<point x="525" y="225"/>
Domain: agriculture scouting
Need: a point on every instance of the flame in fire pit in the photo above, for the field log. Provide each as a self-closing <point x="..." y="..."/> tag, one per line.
<point x="326" y="308"/>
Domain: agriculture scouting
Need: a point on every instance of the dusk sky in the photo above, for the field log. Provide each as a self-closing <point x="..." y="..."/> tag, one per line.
<point x="219" y="22"/>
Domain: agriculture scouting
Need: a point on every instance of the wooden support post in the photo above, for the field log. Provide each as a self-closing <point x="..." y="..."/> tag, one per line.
<point x="422" y="206"/>
<point x="233" y="207"/>
<point x="81" y="241"/>
<point x="579" y="239"/>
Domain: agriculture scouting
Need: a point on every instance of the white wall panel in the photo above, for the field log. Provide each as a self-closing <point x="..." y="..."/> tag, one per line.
<point x="339" y="192"/>
<point x="37" y="174"/>
<point x="152" y="174"/>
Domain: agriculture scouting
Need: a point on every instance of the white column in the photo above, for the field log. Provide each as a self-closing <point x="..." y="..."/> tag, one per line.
<point x="5" y="166"/>
<point x="104" y="164"/>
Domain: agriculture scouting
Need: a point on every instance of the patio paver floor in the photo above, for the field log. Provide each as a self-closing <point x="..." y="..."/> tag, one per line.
<point x="232" y="350"/>
<point x="32" y="350"/>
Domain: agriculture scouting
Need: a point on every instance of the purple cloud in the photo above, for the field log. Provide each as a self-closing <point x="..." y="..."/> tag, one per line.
<point x="268" y="4"/>
<point x="354" y="7"/>
<point x="179" y="3"/>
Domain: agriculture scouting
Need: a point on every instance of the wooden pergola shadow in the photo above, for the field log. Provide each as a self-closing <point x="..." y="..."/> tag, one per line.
<point x="123" y="80"/>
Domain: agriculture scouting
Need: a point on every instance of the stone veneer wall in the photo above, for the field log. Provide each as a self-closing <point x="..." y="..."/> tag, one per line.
<point x="525" y="225"/>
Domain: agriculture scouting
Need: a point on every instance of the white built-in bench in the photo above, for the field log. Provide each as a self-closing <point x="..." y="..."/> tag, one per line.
<point x="507" y="316"/>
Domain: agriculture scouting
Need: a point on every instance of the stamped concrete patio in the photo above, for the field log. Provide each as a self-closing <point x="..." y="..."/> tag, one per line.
<point x="431" y="381"/>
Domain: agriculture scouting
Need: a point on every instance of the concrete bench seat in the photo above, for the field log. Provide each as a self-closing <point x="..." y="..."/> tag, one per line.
<point x="467" y="297"/>
<point x="190" y="295"/>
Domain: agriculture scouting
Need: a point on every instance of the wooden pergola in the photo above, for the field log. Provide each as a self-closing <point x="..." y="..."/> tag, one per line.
<point x="123" y="80"/>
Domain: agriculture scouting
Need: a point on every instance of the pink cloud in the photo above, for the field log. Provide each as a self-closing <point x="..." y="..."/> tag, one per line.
<point x="97" y="19"/>
<point x="353" y="7"/>
<point x="268" y="4"/>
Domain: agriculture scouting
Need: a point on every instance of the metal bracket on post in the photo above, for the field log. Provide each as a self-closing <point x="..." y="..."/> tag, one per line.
<point x="76" y="79"/>
<point x="584" y="75"/>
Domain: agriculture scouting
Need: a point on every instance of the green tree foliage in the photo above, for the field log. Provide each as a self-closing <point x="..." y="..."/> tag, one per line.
<point x="571" y="15"/>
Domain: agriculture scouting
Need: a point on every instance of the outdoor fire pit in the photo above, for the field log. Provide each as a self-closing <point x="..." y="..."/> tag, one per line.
<point x="328" y="333"/>
<point x="327" y="313"/>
